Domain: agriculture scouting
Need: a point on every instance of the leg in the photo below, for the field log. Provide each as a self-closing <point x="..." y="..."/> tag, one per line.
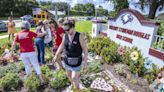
<point x="69" y="75"/>
<point x="12" y="36"/>
<point x="34" y="62"/>
<point x="76" y="79"/>
<point x="9" y="37"/>
<point x="26" y="62"/>
<point x="50" y="44"/>
<point x="38" y="52"/>
<point x="42" y="49"/>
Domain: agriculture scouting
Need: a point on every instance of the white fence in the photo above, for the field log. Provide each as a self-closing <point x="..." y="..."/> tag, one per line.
<point x="159" y="43"/>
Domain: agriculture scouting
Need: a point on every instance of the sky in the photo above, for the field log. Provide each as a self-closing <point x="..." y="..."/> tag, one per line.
<point x="107" y="4"/>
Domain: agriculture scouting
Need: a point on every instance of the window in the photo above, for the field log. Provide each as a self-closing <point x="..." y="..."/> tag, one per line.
<point x="34" y="16"/>
<point x="39" y="16"/>
<point x="43" y="16"/>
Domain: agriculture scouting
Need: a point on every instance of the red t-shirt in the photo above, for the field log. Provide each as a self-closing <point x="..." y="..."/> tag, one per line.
<point x="25" y="40"/>
<point x="58" y="39"/>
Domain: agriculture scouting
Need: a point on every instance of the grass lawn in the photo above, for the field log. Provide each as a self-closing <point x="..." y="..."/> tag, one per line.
<point x="6" y="18"/>
<point x="3" y="41"/>
<point x="81" y="26"/>
<point x="84" y="26"/>
<point x="17" y="30"/>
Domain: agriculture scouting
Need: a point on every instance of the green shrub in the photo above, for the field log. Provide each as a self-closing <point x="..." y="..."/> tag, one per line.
<point x="59" y="80"/>
<point x="159" y="45"/>
<point x="109" y="54"/>
<point x="137" y="66"/>
<point x="9" y="82"/>
<point x="96" y="44"/>
<point x="10" y="68"/>
<point x="93" y="67"/>
<point x="152" y="75"/>
<point x="21" y="66"/>
<point x="32" y="83"/>
<point x="126" y="57"/>
<point x="48" y="55"/>
<point x="47" y="73"/>
<point x="87" y="90"/>
<point x="105" y="54"/>
<point x="45" y="69"/>
<point x="161" y="29"/>
<point x="106" y="48"/>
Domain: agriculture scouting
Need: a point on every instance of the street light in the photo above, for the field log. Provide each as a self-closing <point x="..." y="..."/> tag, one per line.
<point x="68" y="11"/>
<point x="56" y="14"/>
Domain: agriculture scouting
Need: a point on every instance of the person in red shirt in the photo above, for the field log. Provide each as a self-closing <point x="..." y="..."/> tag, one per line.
<point x="57" y="32"/>
<point x="27" y="51"/>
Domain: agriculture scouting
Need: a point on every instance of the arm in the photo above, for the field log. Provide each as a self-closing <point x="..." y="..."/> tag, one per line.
<point x="84" y="47"/>
<point x="40" y="34"/>
<point x="60" y="49"/>
<point x="14" y="24"/>
<point x="7" y="24"/>
<point x="61" y="35"/>
<point x="13" y="46"/>
<point x="15" y="41"/>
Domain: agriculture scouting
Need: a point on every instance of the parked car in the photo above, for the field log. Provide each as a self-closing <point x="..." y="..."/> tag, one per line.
<point x="3" y="27"/>
<point x="29" y="19"/>
<point x="26" y="17"/>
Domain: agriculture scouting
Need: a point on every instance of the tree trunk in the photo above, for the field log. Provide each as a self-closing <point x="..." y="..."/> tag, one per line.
<point x="153" y="8"/>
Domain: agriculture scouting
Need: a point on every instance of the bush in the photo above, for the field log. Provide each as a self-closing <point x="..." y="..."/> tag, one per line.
<point x="106" y="48"/>
<point x="47" y="73"/>
<point x="137" y="66"/>
<point x="10" y="82"/>
<point x="152" y="75"/>
<point x="10" y="68"/>
<point x="45" y="69"/>
<point x="97" y="44"/>
<point x="109" y="54"/>
<point x="93" y="67"/>
<point x="161" y="29"/>
<point x="48" y="55"/>
<point x="105" y="54"/>
<point x="32" y="83"/>
<point x="59" y="80"/>
<point x="21" y="66"/>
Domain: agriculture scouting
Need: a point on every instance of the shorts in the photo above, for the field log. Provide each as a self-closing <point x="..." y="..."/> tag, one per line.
<point x="75" y="69"/>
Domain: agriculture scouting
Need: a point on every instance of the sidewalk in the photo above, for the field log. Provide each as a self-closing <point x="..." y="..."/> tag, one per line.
<point x="4" y="36"/>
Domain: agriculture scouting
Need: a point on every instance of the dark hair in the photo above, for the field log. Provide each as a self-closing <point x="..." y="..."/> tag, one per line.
<point x="52" y="21"/>
<point x="40" y="22"/>
<point x="70" y="23"/>
<point x="60" y="20"/>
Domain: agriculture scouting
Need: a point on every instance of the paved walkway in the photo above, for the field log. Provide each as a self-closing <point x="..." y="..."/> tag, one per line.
<point x="4" y="36"/>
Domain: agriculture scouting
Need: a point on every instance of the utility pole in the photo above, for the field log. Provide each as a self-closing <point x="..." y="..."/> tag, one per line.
<point x="96" y="13"/>
<point x="68" y="12"/>
<point x="56" y="13"/>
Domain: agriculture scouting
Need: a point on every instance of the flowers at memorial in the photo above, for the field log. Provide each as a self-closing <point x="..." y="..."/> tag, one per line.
<point x="121" y="50"/>
<point x="148" y="64"/>
<point x="101" y="84"/>
<point x="134" y="55"/>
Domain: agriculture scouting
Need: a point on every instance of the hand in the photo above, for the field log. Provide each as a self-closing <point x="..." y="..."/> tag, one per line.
<point x="54" y="59"/>
<point x="85" y="64"/>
